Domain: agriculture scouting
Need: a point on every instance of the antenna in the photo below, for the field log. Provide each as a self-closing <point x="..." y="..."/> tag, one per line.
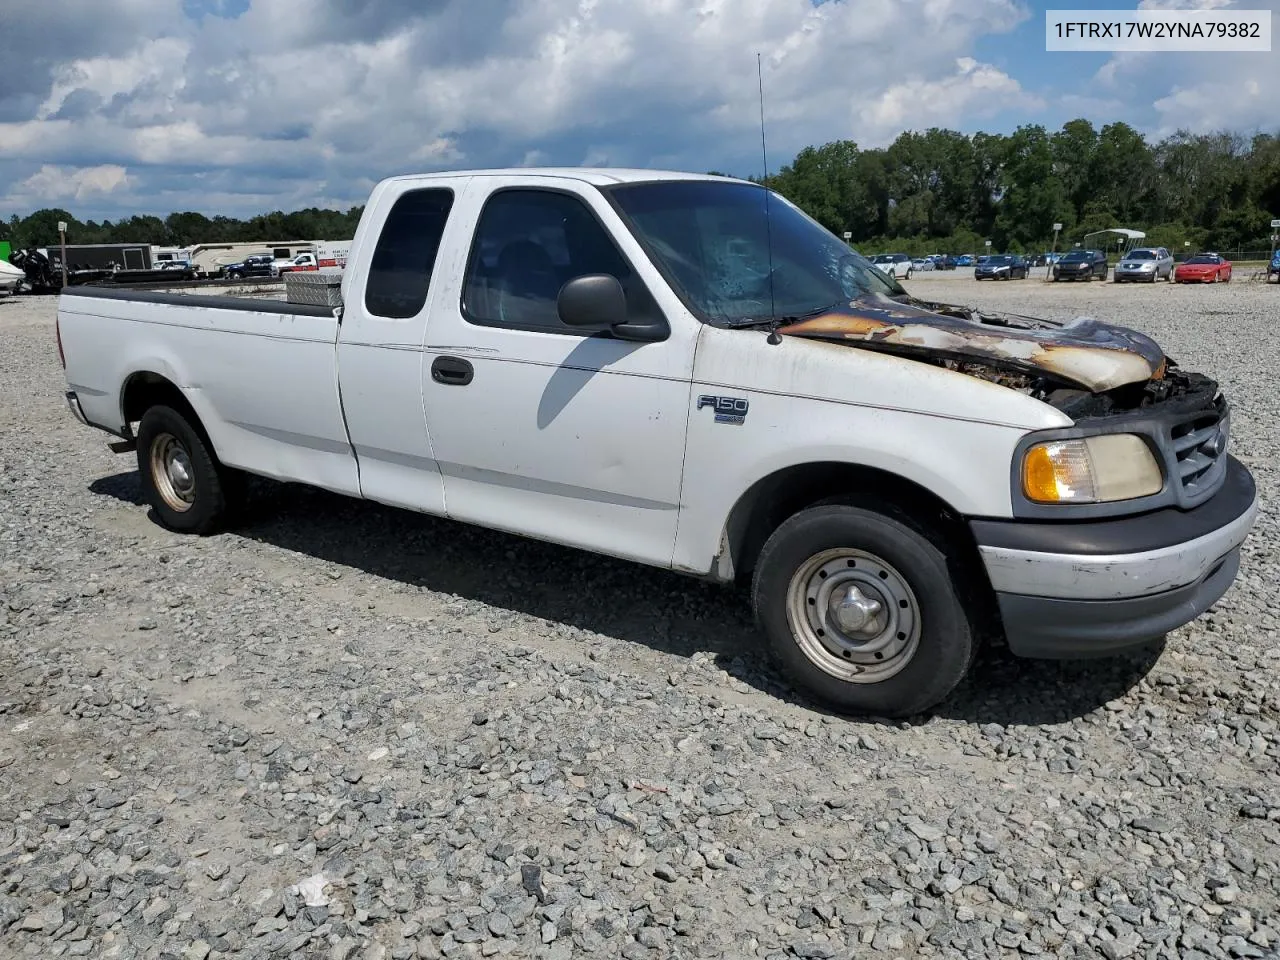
<point x="768" y="223"/>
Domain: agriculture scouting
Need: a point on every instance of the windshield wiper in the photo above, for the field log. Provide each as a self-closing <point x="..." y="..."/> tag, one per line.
<point x="737" y="323"/>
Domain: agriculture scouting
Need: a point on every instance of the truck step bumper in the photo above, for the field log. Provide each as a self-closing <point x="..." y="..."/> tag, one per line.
<point x="1069" y="590"/>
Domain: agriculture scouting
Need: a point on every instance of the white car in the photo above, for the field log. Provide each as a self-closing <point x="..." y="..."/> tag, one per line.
<point x="10" y="277"/>
<point x="897" y="265"/>
<point x="574" y="356"/>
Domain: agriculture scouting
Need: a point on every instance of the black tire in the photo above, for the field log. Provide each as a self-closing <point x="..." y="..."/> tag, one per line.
<point x="205" y="504"/>
<point x="934" y="616"/>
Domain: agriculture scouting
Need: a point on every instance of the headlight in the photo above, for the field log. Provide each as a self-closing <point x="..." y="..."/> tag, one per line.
<point x="1102" y="469"/>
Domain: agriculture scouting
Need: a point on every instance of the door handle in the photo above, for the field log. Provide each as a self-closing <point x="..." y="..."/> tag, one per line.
<point x="453" y="371"/>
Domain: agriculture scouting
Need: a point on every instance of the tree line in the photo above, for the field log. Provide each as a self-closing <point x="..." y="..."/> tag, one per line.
<point x="943" y="191"/>
<point x="936" y="191"/>
<point x="40" y="229"/>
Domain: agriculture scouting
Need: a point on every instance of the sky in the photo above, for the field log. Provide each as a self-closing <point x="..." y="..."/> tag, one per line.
<point x="236" y="107"/>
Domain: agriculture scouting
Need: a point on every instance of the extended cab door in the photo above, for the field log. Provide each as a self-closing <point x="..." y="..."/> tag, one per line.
<point x="388" y="289"/>
<point x="562" y="433"/>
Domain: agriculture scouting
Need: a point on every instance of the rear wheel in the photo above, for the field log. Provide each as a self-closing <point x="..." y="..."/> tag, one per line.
<point x="182" y="480"/>
<point x="861" y="612"/>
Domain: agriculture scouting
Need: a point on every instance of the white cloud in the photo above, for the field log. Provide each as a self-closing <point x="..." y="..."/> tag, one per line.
<point x="52" y="183"/>
<point x="974" y="90"/>
<point x="328" y="101"/>
<point x="1200" y="92"/>
<point x="157" y="62"/>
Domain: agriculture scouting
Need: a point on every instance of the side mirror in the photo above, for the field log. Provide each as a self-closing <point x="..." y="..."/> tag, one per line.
<point x="592" y="300"/>
<point x="597" y="300"/>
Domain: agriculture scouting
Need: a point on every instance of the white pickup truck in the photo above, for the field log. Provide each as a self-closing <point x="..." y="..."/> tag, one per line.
<point x="303" y="261"/>
<point x="689" y="372"/>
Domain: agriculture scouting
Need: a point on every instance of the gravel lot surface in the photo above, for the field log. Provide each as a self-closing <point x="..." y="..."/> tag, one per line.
<point x="346" y="731"/>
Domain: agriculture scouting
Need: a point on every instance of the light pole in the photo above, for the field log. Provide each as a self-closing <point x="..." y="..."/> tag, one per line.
<point x="62" y="242"/>
<point x="1053" y="252"/>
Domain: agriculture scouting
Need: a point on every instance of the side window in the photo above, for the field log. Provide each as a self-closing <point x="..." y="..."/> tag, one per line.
<point x="527" y="245"/>
<point x="405" y="255"/>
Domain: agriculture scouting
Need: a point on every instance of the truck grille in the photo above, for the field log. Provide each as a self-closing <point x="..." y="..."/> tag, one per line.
<point x="1199" y="444"/>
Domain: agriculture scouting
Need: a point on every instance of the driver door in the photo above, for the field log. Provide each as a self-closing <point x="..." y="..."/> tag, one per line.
<point x="539" y="428"/>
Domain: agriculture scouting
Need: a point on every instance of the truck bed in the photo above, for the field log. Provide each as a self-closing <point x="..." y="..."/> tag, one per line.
<point x="260" y="374"/>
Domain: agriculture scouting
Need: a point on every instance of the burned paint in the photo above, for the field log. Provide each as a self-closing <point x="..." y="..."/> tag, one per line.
<point x="1097" y="356"/>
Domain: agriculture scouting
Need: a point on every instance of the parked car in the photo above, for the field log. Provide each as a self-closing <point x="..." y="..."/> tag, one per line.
<point x="1002" y="267"/>
<point x="964" y="260"/>
<point x="897" y="265"/>
<point x="1145" y="264"/>
<point x="922" y="263"/>
<point x="1081" y="265"/>
<point x="944" y="262"/>
<point x="1273" y="268"/>
<point x="567" y="365"/>
<point x="1203" y="268"/>
<point x="257" y="265"/>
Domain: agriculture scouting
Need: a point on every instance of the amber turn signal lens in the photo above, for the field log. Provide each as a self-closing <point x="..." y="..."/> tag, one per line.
<point x="1058" y="473"/>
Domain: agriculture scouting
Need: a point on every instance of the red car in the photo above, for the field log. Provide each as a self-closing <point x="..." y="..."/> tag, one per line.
<point x="1203" y="268"/>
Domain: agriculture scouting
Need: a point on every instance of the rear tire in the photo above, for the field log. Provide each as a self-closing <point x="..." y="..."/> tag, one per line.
<point x="904" y="640"/>
<point x="182" y="480"/>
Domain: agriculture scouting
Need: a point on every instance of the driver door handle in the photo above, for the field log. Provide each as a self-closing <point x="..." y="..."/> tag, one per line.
<point x="453" y="371"/>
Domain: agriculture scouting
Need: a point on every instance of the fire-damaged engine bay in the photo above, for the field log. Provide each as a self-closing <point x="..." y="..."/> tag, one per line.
<point x="1084" y="367"/>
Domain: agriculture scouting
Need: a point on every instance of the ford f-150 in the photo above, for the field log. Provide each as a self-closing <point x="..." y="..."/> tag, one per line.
<point x="690" y="372"/>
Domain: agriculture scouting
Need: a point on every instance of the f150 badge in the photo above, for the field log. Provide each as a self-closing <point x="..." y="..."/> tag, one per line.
<point x="728" y="409"/>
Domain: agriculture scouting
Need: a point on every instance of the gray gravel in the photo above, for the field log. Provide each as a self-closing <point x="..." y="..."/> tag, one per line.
<point x="346" y="731"/>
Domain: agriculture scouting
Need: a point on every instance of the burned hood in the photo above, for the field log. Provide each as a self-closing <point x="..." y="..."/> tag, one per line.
<point x="1084" y="352"/>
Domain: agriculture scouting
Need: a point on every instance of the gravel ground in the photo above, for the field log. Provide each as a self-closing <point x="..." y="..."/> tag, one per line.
<point x="346" y="731"/>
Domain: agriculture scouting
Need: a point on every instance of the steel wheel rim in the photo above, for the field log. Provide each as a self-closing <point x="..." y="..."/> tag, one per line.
<point x="172" y="472"/>
<point x="863" y="637"/>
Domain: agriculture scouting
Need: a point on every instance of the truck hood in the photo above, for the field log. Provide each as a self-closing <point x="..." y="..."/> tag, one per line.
<point x="1084" y="352"/>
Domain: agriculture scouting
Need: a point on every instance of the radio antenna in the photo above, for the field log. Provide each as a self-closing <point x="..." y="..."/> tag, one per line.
<point x="768" y="224"/>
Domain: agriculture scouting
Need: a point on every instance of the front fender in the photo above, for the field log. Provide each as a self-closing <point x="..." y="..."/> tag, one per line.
<point x="963" y="464"/>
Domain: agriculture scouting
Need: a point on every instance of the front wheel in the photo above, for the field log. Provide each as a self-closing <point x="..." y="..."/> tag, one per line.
<point x="182" y="480"/>
<point x="860" y="610"/>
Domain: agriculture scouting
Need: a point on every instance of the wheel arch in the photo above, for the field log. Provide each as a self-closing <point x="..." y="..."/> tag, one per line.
<point x="144" y="389"/>
<point x="768" y="502"/>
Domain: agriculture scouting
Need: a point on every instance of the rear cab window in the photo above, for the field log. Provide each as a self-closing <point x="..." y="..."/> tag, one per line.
<point x="405" y="254"/>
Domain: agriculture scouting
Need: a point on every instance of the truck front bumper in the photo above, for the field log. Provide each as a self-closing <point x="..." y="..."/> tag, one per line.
<point x="1072" y="590"/>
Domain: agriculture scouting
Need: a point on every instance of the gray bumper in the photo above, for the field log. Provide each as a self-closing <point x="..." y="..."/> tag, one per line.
<point x="1064" y="629"/>
<point x="1094" y="599"/>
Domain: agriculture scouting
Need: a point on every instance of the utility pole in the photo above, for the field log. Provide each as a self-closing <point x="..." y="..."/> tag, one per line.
<point x="62" y="242"/>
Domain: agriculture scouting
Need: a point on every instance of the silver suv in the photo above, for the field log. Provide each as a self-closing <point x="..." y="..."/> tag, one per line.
<point x="1146" y="264"/>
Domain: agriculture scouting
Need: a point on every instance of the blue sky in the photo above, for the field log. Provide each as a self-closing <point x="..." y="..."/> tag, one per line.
<point x="243" y="106"/>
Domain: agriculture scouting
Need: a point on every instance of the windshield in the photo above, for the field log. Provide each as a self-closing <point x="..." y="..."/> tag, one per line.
<point x="1202" y="260"/>
<point x="1140" y="255"/>
<point x="996" y="261"/>
<point x="1078" y="255"/>
<point x="712" y="241"/>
